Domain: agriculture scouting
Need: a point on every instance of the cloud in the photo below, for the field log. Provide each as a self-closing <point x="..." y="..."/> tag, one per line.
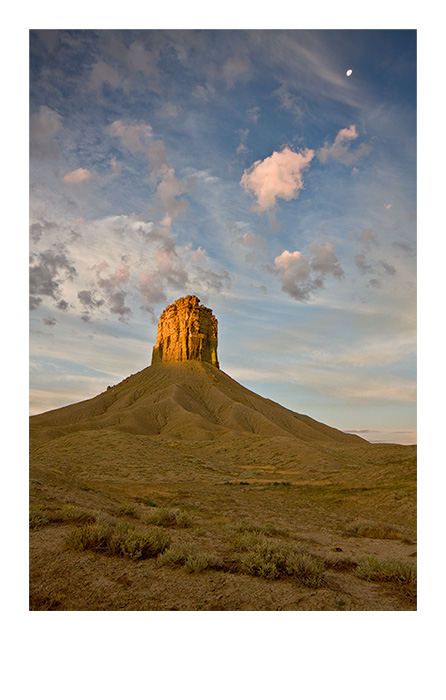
<point x="325" y="261"/>
<point x="75" y="177"/>
<point x="340" y="149"/>
<point x="168" y="109"/>
<point x="236" y="69"/>
<point x="151" y="287"/>
<point x="243" y="133"/>
<point x="115" y="296"/>
<point x="86" y="298"/>
<point x="44" y="125"/>
<point x="103" y="72"/>
<point x="288" y="101"/>
<point x="301" y="275"/>
<point x="47" y="273"/>
<point x="39" y="228"/>
<point x="367" y="267"/>
<point x="170" y="268"/>
<point x="294" y="272"/>
<point x="135" y="137"/>
<point x="277" y="176"/>
<point x="253" y="114"/>
<point x="131" y="61"/>
<point x="210" y="281"/>
<point x="366" y="237"/>
<point x="362" y="264"/>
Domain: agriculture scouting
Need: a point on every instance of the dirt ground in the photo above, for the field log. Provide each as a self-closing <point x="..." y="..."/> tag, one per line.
<point x="311" y="501"/>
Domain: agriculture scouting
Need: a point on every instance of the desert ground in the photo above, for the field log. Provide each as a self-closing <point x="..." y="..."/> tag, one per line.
<point x="179" y="489"/>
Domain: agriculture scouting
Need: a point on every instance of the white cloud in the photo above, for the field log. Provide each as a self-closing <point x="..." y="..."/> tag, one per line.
<point x="279" y="176"/>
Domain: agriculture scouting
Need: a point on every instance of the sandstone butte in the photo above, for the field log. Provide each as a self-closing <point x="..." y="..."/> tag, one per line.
<point x="187" y="330"/>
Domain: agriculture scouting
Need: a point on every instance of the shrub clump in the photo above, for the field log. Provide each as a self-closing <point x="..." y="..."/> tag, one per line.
<point x="274" y="561"/>
<point x="121" y="540"/>
<point x="393" y="570"/>
<point x="37" y="517"/>
<point x="376" y="531"/>
<point x="190" y="558"/>
<point x="268" y="529"/>
<point x="169" y="517"/>
<point x="128" y="510"/>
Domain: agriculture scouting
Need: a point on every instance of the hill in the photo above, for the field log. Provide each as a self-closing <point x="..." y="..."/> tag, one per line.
<point x="230" y="479"/>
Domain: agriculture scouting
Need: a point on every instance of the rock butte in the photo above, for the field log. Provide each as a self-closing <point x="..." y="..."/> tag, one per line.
<point x="187" y="330"/>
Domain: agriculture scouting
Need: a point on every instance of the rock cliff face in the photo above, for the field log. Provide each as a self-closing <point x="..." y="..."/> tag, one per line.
<point x="186" y="331"/>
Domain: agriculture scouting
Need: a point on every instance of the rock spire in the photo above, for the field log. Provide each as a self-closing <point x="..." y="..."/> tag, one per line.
<point x="187" y="330"/>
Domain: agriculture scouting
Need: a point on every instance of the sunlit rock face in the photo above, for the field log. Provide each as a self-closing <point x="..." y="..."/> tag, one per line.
<point x="187" y="330"/>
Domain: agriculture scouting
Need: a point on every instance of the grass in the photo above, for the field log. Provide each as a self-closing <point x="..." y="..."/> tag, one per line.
<point x="190" y="558"/>
<point x="375" y="531"/>
<point x="40" y="516"/>
<point x="392" y="570"/>
<point x="122" y="540"/>
<point x="268" y="529"/>
<point x="128" y="510"/>
<point x="169" y="517"/>
<point x="275" y="560"/>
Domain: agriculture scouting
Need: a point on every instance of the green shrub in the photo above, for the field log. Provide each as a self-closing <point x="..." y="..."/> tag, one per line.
<point x="169" y="517"/>
<point x="273" y="561"/>
<point x="119" y="540"/>
<point x="394" y="570"/>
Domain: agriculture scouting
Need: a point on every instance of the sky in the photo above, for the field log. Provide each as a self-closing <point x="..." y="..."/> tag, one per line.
<point x="248" y="168"/>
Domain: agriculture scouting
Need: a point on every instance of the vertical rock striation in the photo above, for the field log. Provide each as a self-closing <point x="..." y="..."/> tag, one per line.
<point x="186" y="331"/>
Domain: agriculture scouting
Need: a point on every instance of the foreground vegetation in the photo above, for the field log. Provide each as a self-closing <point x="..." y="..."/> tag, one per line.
<point x="256" y="549"/>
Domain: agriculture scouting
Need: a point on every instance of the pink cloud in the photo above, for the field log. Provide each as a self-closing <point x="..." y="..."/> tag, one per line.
<point x="121" y="275"/>
<point x="277" y="176"/>
<point x="77" y="176"/>
<point x="340" y="149"/>
<point x="135" y="137"/>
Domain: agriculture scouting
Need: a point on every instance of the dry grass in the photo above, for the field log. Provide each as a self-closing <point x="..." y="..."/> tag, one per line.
<point x="121" y="540"/>
<point x="40" y="516"/>
<point x="275" y="560"/>
<point x="391" y="570"/>
<point x="188" y="556"/>
<point x="377" y="531"/>
<point x="128" y="510"/>
<point x="169" y="517"/>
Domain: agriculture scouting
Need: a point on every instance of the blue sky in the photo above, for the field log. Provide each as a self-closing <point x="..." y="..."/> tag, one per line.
<point x="245" y="167"/>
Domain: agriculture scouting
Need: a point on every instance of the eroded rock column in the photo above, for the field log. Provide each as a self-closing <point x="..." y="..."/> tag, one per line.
<point x="186" y="331"/>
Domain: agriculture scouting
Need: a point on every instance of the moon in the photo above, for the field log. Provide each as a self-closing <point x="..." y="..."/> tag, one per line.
<point x="348" y="72"/>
